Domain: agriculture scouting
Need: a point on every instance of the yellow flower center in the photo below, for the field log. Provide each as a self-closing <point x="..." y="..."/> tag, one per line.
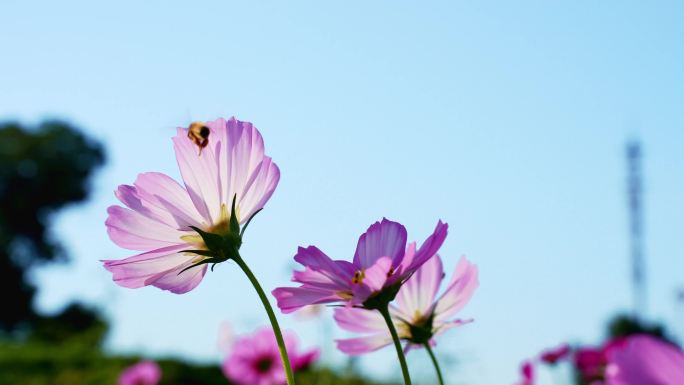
<point x="358" y="277"/>
<point x="221" y="227"/>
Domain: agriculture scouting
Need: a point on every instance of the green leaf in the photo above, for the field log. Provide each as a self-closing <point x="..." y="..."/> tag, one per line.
<point x="208" y="260"/>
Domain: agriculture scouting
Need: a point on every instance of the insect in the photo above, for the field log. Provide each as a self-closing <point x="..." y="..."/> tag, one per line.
<point x="199" y="134"/>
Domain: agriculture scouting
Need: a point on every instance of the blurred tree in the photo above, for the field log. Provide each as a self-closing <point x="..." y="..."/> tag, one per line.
<point x="77" y="324"/>
<point x="41" y="170"/>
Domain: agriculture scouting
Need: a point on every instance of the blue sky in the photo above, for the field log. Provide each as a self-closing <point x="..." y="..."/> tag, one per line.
<point x="506" y="119"/>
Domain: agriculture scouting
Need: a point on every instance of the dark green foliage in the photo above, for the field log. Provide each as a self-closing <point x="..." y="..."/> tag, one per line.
<point x="74" y="362"/>
<point x="65" y="350"/>
<point x="41" y="171"/>
<point x="624" y="325"/>
<point x="76" y="324"/>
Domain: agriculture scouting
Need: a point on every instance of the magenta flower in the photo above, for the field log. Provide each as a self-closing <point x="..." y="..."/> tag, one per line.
<point x="178" y="228"/>
<point x="255" y="359"/>
<point x="645" y="360"/>
<point x="418" y="314"/>
<point x="142" y="373"/>
<point x="527" y="372"/>
<point x="552" y="356"/>
<point x="590" y="363"/>
<point x="382" y="262"/>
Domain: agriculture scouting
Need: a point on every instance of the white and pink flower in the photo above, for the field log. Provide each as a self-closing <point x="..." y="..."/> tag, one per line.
<point x="418" y="314"/>
<point x="159" y="212"/>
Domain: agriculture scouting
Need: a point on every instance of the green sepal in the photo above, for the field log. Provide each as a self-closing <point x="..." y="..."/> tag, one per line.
<point x="214" y="242"/>
<point x="421" y="333"/>
<point x="234" y="224"/>
<point x="202" y="262"/>
<point x="206" y="253"/>
<point x="222" y="246"/>
<point x="242" y="232"/>
<point x="382" y="299"/>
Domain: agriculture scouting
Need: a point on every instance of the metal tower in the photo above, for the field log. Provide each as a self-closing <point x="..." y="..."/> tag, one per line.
<point x="635" y="191"/>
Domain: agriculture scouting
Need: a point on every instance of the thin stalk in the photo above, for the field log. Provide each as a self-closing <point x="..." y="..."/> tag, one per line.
<point x="271" y="316"/>
<point x="397" y="343"/>
<point x="434" y="362"/>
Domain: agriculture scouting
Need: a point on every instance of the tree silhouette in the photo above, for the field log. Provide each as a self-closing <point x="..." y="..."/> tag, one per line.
<point x="42" y="169"/>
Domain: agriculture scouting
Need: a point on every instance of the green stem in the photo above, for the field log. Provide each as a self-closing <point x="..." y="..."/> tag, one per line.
<point x="397" y="343"/>
<point x="434" y="362"/>
<point x="271" y="317"/>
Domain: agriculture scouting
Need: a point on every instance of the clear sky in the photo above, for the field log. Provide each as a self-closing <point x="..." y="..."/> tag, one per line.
<point x="506" y="119"/>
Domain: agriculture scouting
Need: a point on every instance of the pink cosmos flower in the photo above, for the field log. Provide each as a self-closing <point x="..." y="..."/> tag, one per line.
<point x="255" y="359"/>
<point x="552" y="356"/>
<point x="590" y="363"/>
<point x="226" y="163"/>
<point x="418" y="314"/>
<point x="645" y="360"/>
<point x="382" y="262"/>
<point x="142" y="373"/>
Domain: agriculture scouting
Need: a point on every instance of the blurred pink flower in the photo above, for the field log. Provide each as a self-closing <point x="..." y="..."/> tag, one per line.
<point x="382" y="262"/>
<point x="160" y="211"/>
<point x="527" y="372"/>
<point x="552" y="356"/>
<point x="645" y="360"/>
<point x="590" y="363"/>
<point x="255" y="359"/>
<point x="418" y="316"/>
<point x="142" y="373"/>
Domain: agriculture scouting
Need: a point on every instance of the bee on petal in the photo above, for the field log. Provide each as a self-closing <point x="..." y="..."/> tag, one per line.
<point x="198" y="132"/>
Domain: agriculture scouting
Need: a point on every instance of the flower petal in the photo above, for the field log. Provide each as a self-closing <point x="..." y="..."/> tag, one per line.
<point x="360" y="320"/>
<point x="259" y="189"/>
<point x="441" y="327"/>
<point x="382" y="239"/>
<point x="361" y="345"/>
<point x="159" y="197"/>
<point x="428" y="249"/>
<point x="135" y="231"/>
<point x="646" y="360"/>
<point x="179" y="282"/>
<point x="199" y="170"/>
<point x="243" y="168"/>
<point x="458" y="293"/>
<point x="168" y="196"/>
<point x="336" y="273"/>
<point x="409" y="255"/>
<point x="140" y="270"/>
<point x="312" y="278"/>
<point x="373" y="281"/>
<point x="291" y="299"/>
<point x="416" y="296"/>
